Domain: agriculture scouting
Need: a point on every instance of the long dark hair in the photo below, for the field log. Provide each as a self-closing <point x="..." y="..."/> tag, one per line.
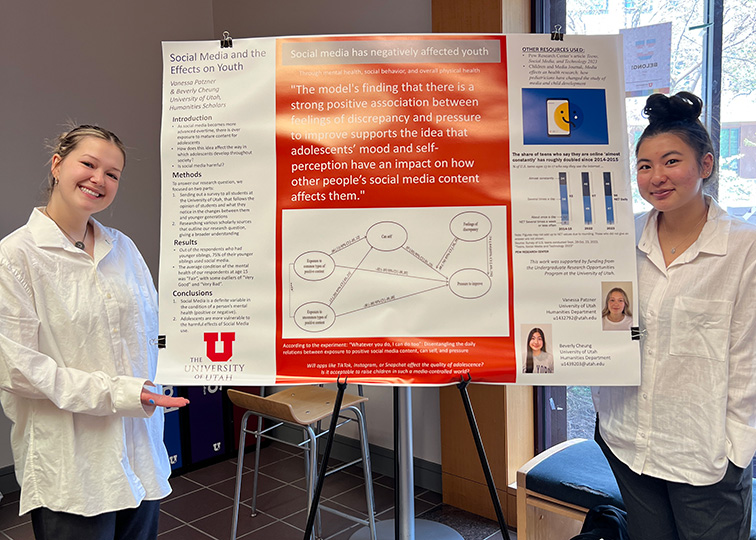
<point x="529" y="356"/>
<point x="679" y="115"/>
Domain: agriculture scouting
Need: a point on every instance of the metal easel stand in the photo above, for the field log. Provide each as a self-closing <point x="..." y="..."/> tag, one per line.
<point x="341" y="387"/>
<point x="405" y="526"/>
<point x="482" y="455"/>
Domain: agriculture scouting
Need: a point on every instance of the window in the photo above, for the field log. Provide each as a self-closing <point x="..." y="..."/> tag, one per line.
<point x="712" y="41"/>
<point x="729" y="149"/>
<point x="636" y="4"/>
<point x="595" y="7"/>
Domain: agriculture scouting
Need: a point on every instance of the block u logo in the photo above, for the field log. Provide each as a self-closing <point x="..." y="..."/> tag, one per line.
<point x="225" y="354"/>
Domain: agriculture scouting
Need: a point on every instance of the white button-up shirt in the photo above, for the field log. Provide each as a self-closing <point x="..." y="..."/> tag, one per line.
<point x="76" y="347"/>
<point x="695" y="408"/>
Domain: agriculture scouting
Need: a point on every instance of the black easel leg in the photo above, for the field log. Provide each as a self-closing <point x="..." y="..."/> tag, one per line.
<point x="397" y="479"/>
<point x="326" y="454"/>
<point x="482" y="455"/>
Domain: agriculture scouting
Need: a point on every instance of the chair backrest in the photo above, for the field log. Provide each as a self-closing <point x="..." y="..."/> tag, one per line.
<point x="262" y="405"/>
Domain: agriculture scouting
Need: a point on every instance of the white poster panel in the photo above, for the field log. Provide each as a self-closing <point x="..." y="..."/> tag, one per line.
<point x="217" y="276"/>
<point x="573" y="231"/>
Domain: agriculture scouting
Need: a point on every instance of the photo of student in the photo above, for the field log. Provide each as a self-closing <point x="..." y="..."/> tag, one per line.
<point x="617" y="313"/>
<point x="537" y="357"/>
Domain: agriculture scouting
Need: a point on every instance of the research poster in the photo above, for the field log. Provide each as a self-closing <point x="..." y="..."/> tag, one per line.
<point x="404" y="209"/>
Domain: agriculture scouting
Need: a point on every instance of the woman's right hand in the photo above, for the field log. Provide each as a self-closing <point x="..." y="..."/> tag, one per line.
<point x="161" y="400"/>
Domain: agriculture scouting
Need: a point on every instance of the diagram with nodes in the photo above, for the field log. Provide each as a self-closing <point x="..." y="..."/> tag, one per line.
<point x="383" y="272"/>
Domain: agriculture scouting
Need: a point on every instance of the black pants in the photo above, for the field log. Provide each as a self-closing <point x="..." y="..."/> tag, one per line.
<point x="139" y="523"/>
<point x="662" y="510"/>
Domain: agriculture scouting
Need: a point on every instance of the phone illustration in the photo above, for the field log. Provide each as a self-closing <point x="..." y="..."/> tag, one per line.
<point x="558" y="117"/>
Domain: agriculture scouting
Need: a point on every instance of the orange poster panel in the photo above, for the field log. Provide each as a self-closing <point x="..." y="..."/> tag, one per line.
<point x="393" y="210"/>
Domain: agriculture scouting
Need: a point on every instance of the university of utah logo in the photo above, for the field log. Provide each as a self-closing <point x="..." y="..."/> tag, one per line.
<point x="225" y="354"/>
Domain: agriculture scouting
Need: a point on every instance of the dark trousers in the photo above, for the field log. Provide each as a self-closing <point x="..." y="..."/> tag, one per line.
<point x="662" y="510"/>
<point x="139" y="523"/>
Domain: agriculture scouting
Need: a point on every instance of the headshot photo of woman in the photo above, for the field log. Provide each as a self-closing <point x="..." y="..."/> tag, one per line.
<point x="617" y="314"/>
<point x="537" y="359"/>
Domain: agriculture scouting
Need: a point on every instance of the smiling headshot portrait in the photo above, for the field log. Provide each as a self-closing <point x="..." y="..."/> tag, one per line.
<point x="616" y="312"/>
<point x="538" y="359"/>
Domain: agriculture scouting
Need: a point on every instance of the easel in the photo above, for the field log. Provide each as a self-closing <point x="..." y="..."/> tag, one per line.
<point x="404" y="525"/>
<point x="340" y="388"/>
<point x="462" y="386"/>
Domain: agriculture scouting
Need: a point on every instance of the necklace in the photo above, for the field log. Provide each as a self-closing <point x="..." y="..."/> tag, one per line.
<point x="77" y="243"/>
<point x="673" y="249"/>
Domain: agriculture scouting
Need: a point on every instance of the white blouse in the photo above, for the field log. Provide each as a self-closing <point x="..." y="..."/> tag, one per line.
<point x="76" y="347"/>
<point x="695" y="408"/>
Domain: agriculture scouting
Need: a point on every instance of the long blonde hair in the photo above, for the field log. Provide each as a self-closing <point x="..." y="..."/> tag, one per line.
<point x="627" y="311"/>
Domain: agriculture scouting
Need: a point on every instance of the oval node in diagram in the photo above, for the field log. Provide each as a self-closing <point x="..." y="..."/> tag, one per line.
<point x="470" y="226"/>
<point x="470" y="283"/>
<point x="386" y="236"/>
<point x="314" y="265"/>
<point x="314" y="316"/>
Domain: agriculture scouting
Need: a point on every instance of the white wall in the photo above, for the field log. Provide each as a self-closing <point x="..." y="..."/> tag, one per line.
<point x="99" y="61"/>
<point x="90" y="61"/>
<point x="296" y="17"/>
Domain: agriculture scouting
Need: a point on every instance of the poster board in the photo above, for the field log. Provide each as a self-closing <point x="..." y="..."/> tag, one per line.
<point x="400" y="209"/>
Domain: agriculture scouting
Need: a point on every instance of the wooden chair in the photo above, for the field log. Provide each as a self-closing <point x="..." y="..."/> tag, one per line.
<point x="557" y="487"/>
<point x="302" y="407"/>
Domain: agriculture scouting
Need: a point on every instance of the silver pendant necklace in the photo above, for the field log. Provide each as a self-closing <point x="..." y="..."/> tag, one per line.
<point x="77" y="243"/>
<point x="673" y="250"/>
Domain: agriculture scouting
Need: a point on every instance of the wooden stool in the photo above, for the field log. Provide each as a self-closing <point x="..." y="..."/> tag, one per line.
<point x="301" y="407"/>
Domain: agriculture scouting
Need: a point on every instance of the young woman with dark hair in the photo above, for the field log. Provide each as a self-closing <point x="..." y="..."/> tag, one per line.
<point x="681" y="443"/>
<point x="537" y="358"/>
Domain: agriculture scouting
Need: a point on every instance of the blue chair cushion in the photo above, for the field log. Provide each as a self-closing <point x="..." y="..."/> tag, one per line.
<point x="578" y="475"/>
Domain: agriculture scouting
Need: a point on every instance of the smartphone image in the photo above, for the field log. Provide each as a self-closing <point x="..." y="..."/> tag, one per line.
<point x="558" y="117"/>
